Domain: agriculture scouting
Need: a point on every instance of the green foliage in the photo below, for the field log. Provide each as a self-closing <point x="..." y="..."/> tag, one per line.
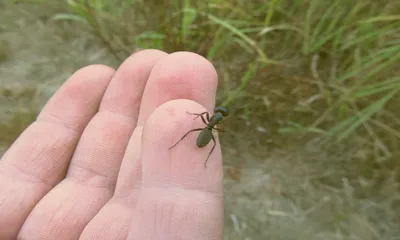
<point x="348" y="49"/>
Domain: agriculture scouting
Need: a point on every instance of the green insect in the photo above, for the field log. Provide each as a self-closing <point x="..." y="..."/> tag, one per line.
<point x="206" y="134"/>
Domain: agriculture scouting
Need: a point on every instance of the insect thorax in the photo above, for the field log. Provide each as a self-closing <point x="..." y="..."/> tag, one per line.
<point x="215" y="119"/>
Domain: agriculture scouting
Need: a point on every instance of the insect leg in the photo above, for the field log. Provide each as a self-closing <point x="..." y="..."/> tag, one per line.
<point x="219" y="129"/>
<point x="196" y="114"/>
<point x="202" y="116"/>
<point x="208" y="118"/>
<point x="212" y="149"/>
<point x="193" y="130"/>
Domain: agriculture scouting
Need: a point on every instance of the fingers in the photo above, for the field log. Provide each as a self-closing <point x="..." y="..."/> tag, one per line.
<point x="178" y="75"/>
<point x="179" y="198"/>
<point x="124" y="94"/>
<point x="101" y="148"/>
<point x="113" y="220"/>
<point x="39" y="158"/>
<point x="93" y="170"/>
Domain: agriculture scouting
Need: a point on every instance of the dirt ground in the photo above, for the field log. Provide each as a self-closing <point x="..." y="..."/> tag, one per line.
<point x="279" y="194"/>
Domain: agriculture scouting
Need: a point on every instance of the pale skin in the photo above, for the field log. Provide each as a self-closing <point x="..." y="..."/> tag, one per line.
<point x="96" y="164"/>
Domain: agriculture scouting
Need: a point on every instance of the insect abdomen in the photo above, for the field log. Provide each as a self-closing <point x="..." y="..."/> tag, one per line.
<point x="204" y="138"/>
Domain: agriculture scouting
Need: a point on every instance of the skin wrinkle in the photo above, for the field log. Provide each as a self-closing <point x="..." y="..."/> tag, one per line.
<point x="55" y="120"/>
<point x="56" y="230"/>
<point x="112" y="224"/>
<point x="123" y="185"/>
<point x="86" y="181"/>
<point x="56" y="211"/>
<point x="70" y="210"/>
<point x="112" y="221"/>
<point x="116" y="109"/>
<point x="158" y="221"/>
<point x="167" y="214"/>
<point x="91" y="215"/>
<point x="162" y="213"/>
<point x="3" y="198"/>
<point x="53" y="218"/>
<point x="181" y="191"/>
<point x="126" y="125"/>
<point x="185" y="217"/>
<point x="29" y="174"/>
<point x="168" y="217"/>
<point x="127" y="119"/>
<point x="89" y="177"/>
<point x="83" y="174"/>
<point x="128" y="198"/>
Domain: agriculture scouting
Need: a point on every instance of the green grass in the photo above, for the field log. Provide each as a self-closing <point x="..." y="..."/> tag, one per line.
<point x="24" y="112"/>
<point x="298" y="70"/>
<point x="346" y="50"/>
<point x="15" y="124"/>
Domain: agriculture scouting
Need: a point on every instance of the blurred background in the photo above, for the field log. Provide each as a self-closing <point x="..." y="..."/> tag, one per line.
<point x="311" y="148"/>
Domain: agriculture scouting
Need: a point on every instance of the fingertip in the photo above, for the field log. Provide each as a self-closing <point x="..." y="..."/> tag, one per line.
<point x="170" y="122"/>
<point x="183" y="165"/>
<point x="78" y="99"/>
<point x="180" y="75"/>
<point x="149" y="51"/>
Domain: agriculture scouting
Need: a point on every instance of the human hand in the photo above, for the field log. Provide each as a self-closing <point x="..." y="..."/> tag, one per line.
<point x="96" y="165"/>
